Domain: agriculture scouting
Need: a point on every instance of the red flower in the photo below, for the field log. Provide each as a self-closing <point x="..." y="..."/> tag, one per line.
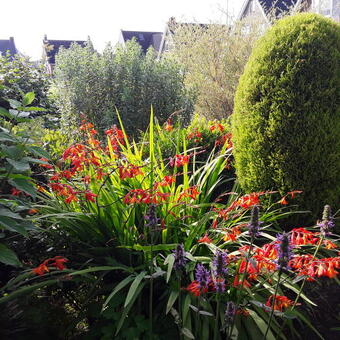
<point x="15" y="192"/>
<point x="283" y="201"/>
<point x="166" y="181"/>
<point x="194" y="288"/>
<point x="237" y="282"/>
<point x="41" y="269"/>
<point x="129" y="171"/>
<point x="179" y="160"/>
<point x="205" y="239"/>
<point x="46" y="166"/>
<point x="89" y="196"/>
<point x="301" y="236"/>
<point x="216" y="127"/>
<point x="57" y="262"/>
<point x="190" y="192"/>
<point x="281" y="302"/>
<point x="292" y="193"/>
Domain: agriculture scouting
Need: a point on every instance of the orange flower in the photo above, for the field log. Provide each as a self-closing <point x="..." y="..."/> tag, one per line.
<point x="167" y="181"/>
<point x="168" y="126"/>
<point x="32" y="211"/>
<point x="41" y="269"/>
<point x="281" y="302"/>
<point x="190" y="192"/>
<point x="205" y="239"/>
<point x="217" y="127"/>
<point x="129" y="171"/>
<point x="237" y="282"/>
<point x="329" y="244"/>
<point x="46" y="166"/>
<point x="57" y="261"/>
<point x="292" y="193"/>
<point x="283" y="201"/>
<point x="301" y="236"/>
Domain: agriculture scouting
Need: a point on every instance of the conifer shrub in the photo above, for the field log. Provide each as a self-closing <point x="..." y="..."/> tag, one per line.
<point x="286" y="125"/>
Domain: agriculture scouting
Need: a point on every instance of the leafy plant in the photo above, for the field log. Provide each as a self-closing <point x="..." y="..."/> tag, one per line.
<point x="286" y="121"/>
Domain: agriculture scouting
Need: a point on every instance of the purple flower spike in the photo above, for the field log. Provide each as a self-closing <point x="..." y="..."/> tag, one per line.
<point x="202" y="276"/>
<point x="219" y="285"/>
<point x="284" y="251"/>
<point x="327" y="223"/>
<point x="180" y="259"/>
<point x="229" y="313"/>
<point x="151" y="217"/>
<point x="220" y="262"/>
<point x="254" y="225"/>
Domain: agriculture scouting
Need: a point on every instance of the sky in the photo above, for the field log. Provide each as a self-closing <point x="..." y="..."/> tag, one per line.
<point x="102" y="20"/>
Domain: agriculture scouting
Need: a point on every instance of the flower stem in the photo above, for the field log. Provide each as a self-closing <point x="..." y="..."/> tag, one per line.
<point x="273" y="304"/>
<point x="216" y="332"/>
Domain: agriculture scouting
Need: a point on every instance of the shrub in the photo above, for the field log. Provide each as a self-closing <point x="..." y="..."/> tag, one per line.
<point x="18" y="76"/>
<point x="286" y="125"/>
<point x="95" y="85"/>
<point x="213" y="57"/>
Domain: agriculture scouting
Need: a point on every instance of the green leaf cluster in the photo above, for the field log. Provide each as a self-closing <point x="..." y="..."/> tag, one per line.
<point x="286" y="125"/>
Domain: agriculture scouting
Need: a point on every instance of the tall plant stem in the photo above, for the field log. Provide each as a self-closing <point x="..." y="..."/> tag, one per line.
<point x="303" y="283"/>
<point x="273" y="304"/>
<point x="180" y="307"/>
<point x="216" y="332"/>
<point x="151" y="291"/>
<point x="242" y="283"/>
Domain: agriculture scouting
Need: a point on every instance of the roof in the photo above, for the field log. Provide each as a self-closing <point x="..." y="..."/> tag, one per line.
<point x="52" y="47"/>
<point x="145" y="39"/>
<point x="8" y="45"/>
<point x="279" y="6"/>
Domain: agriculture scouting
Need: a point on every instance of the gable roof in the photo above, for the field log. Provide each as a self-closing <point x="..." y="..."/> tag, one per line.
<point x="278" y="6"/>
<point x="52" y="47"/>
<point x="8" y="45"/>
<point x="144" y="39"/>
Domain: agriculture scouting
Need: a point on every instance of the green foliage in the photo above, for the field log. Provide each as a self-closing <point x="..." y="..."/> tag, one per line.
<point x="17" y="154"/>
<point x="123" y="78"/>
<point x="286" y="125"/>
<point x="20" y="76"/>
<point x="213" y="57"/>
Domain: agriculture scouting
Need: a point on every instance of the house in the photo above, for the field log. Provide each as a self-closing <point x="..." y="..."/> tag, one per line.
<point x="8" y="46"/>
<point x="169" y="31"/>
<point x="144" y="39"/>
<point x="52" y="47"/>
<point x="269" y="9"/>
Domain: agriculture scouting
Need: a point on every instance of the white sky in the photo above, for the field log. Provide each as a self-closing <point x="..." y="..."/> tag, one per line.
<point x="28" y="20"/>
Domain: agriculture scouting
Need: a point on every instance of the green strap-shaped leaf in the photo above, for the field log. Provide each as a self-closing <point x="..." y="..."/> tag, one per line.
<point x="119" y="287"/>
<point x="23" y="185"/>
<point x="172" y="298"/>
<point x="133" y="287"/>
<point x="20" y="166"/>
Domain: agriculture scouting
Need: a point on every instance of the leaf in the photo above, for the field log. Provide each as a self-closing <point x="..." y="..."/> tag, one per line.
<point x="6" y="137"/>
<point x="119" y="287"/>
<point x="28" y="98"/>
<point x="26" y="290"/>
<point x="172" y="298"/>
<point x="261" y="324"/>
<point x="186" y="332"/>
<point x="133" y="287"/>
<point x="19" y="165"/>
<point x="97" y="269"/>
<point x="23" y="185"/>
<point x="39" y="151"/>
<point x="203" y="312"/>
<point x="127" y="309"/>
<point x="5" y="113"/>
<point x="14" y="103"/>
<point x="171" y="261"/>
<point x="8" y="256"/>
<point x="8" y="213"/>
<point x="11" y="225"/>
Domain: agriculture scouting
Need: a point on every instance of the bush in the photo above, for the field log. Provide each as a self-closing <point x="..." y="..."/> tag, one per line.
<point x="286" y="126"/>
<point x="18" y="76"/>
<point x="213" y="73"/>
<point x="125" y="79"/>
